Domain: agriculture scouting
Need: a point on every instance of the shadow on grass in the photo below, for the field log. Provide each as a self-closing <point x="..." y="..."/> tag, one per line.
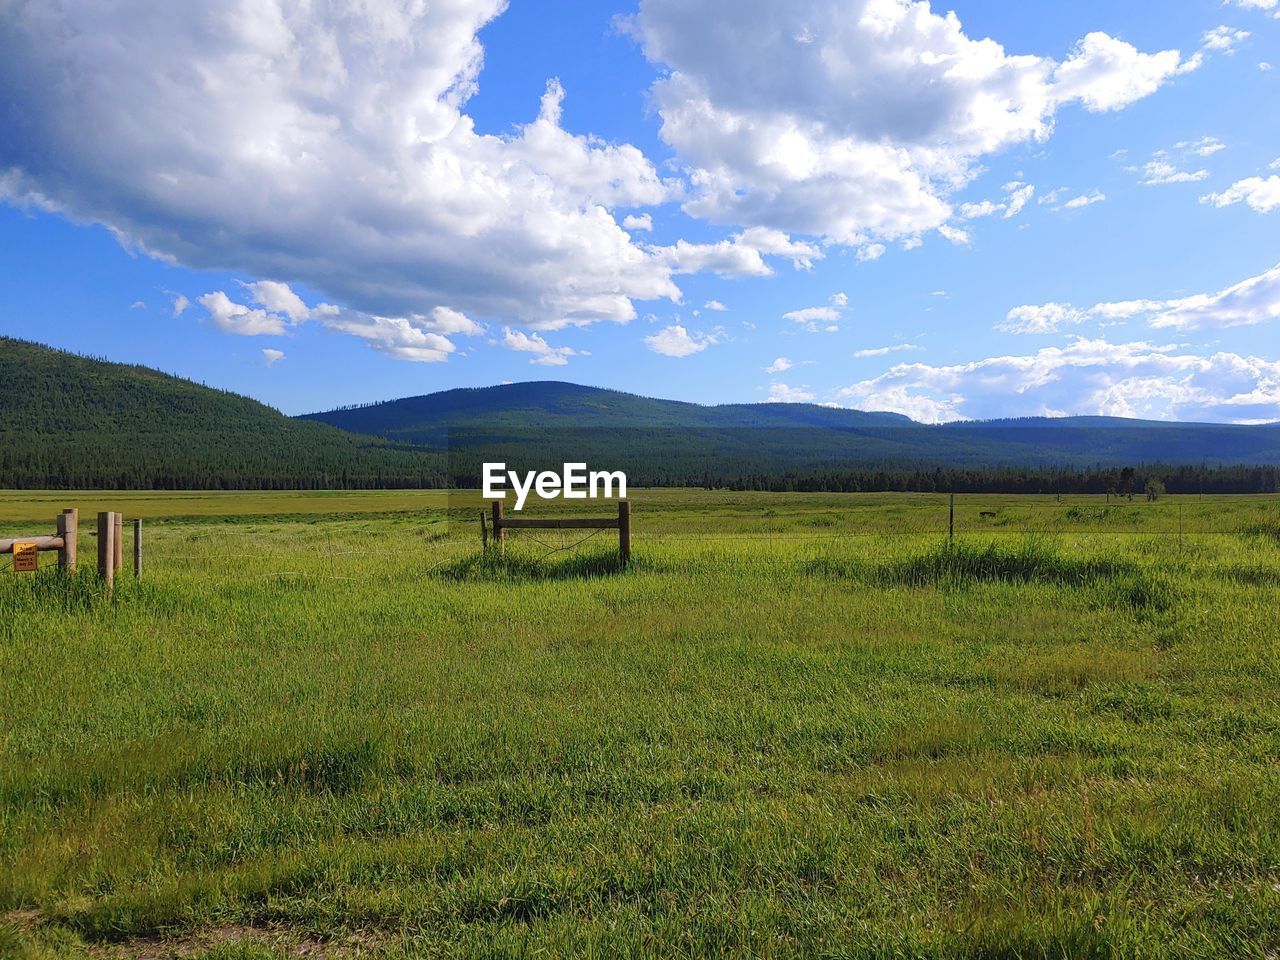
<point x="523" y="565"/>
<point x="1032" y="560"/>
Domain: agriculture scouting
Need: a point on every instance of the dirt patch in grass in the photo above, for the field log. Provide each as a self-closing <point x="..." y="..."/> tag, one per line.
<point x="272" y="940"/>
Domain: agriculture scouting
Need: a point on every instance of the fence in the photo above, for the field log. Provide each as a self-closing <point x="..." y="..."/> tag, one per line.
<point x="501" y="524"/>
<point x="26" y="550"/>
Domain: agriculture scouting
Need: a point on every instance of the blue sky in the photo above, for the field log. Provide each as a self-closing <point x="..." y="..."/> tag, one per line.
<point x="856" y="202"/>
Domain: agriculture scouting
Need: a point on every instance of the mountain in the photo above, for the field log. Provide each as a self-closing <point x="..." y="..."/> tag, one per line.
<point x="553" y="405"/>
<point x="665" y="441"/>
<point x="68" y="421"/>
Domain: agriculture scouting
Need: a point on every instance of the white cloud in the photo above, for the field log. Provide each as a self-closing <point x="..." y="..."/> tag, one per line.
<point x="1085" y="377"/>
<point x="781" y="393"/>
<point x="1084" y="200"/>
<point x="1046" y="318"/>
<point x="781" y="365"/>
<point x="403" y="338"/>
<point x="1166" y="166"/>
<point x="641" y="221"/>
<point x="885" y="351"/>
<point x="740" y="256"/>
<point x="278" y="298"/>
<point x="1017" y="196"/>
<point x="446" y="321"/>
<point x="1256" y="4"/>
<point x="872" y="251"/>
<point x="1224" y="39"/>
<point x="416" y="338"/>
<point x="1160" y="172"/>
<point x="1250" y="302"/>
<point x="676" y="341"/>
<point x="1262" y="195"/>
<point x="863" y="131"/>
<point x="231" y="317"/>
<point x="811" y="317"/>
<point x="138" y="305"/>
<point x="326" y="145"/>
<point x="1204" y="147"/>
<point x="1107" y="74"/>
<point x="180" y="304"/>
<point x="956" y="235"/>
<point x="715" y="306"/>
<point x="271" y="357"/>
<point x="545" y="355"/>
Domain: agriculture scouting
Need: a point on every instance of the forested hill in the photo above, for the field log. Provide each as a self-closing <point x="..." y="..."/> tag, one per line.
<point x="68" y="421"/>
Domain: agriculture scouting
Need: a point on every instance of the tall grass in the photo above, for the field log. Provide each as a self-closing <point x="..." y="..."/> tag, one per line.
<point x="357" y="735"/>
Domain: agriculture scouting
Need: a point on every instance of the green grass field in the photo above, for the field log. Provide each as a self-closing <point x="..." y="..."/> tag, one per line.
<point x="798" y="725"/>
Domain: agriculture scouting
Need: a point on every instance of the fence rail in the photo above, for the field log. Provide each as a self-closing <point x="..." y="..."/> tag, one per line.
<point x="503" y="523"/>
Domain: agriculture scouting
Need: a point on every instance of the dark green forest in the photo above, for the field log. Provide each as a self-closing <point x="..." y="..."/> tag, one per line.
<point x="73" y="422"/>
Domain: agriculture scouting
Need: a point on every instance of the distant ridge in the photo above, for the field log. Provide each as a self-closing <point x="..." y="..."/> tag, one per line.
<point x="803" y="435"/>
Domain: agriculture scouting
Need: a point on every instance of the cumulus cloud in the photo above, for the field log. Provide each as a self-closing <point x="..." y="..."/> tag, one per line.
<point x="1250" y="302"/>
<point x="676" y="341"/>
<point x="1224" y="39"/>
<point x="781" y="393"/>
<point x="180" y="304"/>
<point x="1261" y="194"/>
<point x="854" y="120"/>
<point x="419" y="338"/>
<point x="825" y="317"/>
<point x="271" y="357"/>
<point x="743" y="255"/>
<point x="326" y="145"/>
<point x="231" y="317"/>
<point x="715" y="306"/>
<point x="544" y="354"/>
<point x="404" y="338"/>
<point x="642" y="221"/>
<point x="1086" y="377"/>
<point x="781" y="365"/>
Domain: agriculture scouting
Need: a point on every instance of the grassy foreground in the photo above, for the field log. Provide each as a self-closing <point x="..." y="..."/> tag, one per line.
<point x="330" y="729"/>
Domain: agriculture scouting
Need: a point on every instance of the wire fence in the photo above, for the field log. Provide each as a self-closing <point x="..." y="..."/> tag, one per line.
<point x="457" y="536"/>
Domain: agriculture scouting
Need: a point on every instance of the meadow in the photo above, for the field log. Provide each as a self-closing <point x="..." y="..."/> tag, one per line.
<point x="798" y="725"/>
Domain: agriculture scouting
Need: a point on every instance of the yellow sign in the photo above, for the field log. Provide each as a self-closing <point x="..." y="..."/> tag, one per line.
<point x="26" y="557"/>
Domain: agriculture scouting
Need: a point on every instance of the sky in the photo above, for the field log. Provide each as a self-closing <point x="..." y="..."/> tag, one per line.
<point x="972" y="210"/>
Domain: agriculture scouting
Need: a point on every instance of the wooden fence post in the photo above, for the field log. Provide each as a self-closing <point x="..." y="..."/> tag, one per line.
<point x="68" y="529"/>
<point x="118" y="542"/>
<point x="107" y="549"/>
<point x="137" y="548"/>
<point x="624" y="530"/>
<point x="499" y="532"/>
